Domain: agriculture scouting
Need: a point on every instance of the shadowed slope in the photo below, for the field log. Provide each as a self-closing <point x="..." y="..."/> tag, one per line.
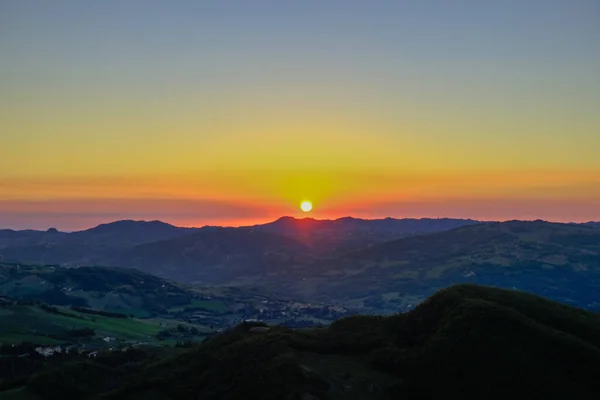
<point x="466" y="341"/>
<point x="561" y="261"/>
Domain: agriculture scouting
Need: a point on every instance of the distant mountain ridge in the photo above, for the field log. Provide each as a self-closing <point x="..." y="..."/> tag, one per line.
<point x="560" y="261"/>
<point x="124" y="227"/>
<point x="83" y="247"/>
<point x="349" y="232"/>
<point x="129" y="225"/>
<point x="99" y="244"/>
<point x="129" y="232"/>
<point x="406" y="224"/>
<point x="376" y="265"/>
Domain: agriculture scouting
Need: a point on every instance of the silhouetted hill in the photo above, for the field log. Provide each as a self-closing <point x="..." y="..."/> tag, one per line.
<point x="405" y="226"/>
<point x="118" y="233"/>
<point x="11" y="238"/>
<point x="464" y="342"/>
<point x="125" y="233"/>
<point x="98" y="245"/>
<point x="83" y="247"/>
<point x="343" y="234"/>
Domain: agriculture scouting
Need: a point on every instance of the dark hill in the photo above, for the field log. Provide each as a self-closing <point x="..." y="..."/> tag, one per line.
<point x="472" y="238"/>
<point x="560" y="261"/>
<point x="84" y="247"/>
<point x="98" y="245"/>
<point x="127" y="232"/>
<point x="214" y="255"/>
<point x="12" y="238"/>
<point x="349" y="233"/>
<point x="247" y="254"/>
<point x="387" y="225"/>
<point x="464" y="342"/>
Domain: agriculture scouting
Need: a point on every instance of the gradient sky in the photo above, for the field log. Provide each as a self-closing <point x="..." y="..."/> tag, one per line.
<point x="215" y="112"/>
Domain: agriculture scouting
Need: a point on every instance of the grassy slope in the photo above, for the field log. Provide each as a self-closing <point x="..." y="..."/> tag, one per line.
<point x="32" y="323"/>
<point x="135" y="293"/>
<point x="122" y="290"/>
<point x="466" y="341"/>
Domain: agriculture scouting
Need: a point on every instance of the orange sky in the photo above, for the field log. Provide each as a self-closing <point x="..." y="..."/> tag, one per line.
<point x="230" y="199"/>
<point x="202" y="114"/>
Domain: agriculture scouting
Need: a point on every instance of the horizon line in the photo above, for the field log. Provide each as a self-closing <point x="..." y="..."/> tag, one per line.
<point x="297" y="219"/>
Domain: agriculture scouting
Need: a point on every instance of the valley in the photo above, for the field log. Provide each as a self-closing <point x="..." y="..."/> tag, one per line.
<point x="373" y="266"/>
<point x="348" y="309"/>
<point x="491" y="335"/>
<point x="132" y="294"/>
<point x="299" y="200"/>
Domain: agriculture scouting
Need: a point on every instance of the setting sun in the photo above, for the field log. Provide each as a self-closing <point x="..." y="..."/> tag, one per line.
<point x="306" y="206"/>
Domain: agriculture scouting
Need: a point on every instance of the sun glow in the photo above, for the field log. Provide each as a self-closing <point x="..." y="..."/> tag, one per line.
<point x="306" y="206"/>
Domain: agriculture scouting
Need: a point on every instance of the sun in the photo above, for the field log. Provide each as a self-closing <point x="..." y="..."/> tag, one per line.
<point x="306" y="206"/>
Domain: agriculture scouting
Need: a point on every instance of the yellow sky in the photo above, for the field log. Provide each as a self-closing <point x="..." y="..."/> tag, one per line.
<point x="361" y="110"/>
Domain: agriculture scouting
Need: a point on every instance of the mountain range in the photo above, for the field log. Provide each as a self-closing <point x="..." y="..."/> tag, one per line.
<point x="375" y="265"/>
<point x="81" y="247"/>
<point x="172" y="251"/>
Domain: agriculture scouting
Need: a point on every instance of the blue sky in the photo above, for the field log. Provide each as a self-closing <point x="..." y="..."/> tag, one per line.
<point x="218" y="95"/>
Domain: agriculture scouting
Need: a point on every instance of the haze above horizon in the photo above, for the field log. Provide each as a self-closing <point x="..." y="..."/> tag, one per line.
<point x="280" y="219"/>
<point x="205" y="113"/>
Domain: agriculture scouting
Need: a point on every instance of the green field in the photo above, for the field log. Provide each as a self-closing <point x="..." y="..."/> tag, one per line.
<point x="131" y="292"/>
<point x="215" y="306"/>
<point x="34" y="324"/>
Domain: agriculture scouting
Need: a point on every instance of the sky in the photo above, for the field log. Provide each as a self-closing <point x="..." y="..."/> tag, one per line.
<point x="233" y="113"/>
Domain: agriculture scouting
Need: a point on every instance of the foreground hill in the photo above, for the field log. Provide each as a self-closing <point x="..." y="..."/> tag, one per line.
<point x="463" y="342"/>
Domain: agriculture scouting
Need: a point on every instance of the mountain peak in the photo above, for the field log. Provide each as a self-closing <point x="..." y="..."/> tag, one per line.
<point x="129" y="223"/>
<point x="291" y="220"/>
